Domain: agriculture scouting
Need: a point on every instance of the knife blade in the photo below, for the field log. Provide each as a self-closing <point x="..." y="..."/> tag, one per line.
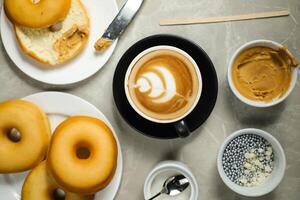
<point x="118" y="25"/>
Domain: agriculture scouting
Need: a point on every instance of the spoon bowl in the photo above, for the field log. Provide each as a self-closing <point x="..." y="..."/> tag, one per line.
<point x="173" y="186"/>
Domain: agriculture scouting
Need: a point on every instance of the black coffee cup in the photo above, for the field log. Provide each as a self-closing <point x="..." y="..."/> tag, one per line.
<point x="194" y="118"/>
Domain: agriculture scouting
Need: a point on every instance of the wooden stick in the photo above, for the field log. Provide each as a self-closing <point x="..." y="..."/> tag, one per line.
<point x="170" y="22"/>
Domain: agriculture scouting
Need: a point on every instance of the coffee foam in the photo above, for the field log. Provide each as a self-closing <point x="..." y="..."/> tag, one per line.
<point x="163" y="84"/>
<point x="160" y="87"/>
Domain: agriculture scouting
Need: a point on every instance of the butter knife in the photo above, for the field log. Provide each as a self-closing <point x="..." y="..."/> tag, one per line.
<point x="118" y="25"/>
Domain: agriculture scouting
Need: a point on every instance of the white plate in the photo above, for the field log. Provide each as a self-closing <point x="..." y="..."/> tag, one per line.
<point x="58" y="107"/>
<point x="86" y="64"/>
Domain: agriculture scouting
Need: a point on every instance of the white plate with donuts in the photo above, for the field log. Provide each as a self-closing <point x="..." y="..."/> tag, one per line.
<point x="59" y="106"/>
<point x="84" y="65"/>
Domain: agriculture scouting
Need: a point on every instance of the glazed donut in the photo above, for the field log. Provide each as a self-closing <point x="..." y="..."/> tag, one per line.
<point x="40" y="185"/>
<point x="31" y="147"/>
<point x="36" y="13"/>
<point x="82" y="156"/>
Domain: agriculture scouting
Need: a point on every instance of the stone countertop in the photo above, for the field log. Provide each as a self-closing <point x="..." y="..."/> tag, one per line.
<point x="200" y="150"/>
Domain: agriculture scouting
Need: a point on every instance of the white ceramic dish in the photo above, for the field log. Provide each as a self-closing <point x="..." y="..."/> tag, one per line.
<point x="275" y="178"/>
<point x="81" y="67"/>
<point x="171" y="166"/>
<point x="58" y="107"/>
<point x="155" y="48"/>
<point x="255" y="43"/>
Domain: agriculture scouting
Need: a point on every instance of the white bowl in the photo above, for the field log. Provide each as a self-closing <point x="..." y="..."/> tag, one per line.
<point x="272" y="181"/>
<point x="166" y="166"/>
<point x="255" y="43"/>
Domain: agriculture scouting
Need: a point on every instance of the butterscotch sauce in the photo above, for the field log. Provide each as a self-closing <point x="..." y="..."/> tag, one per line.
<point x="262" y="73"/>
<point x="163" y="84"/>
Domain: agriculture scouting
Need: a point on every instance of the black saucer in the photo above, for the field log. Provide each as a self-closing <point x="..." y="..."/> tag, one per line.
<point x="206" y="103"/>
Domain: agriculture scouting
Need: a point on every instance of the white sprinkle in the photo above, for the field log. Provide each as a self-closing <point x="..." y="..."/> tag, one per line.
<point x="247" y="155"/>
<point x="268" y="169"/>
<point x="260" y="150"/>
<point x="248" y="165"/>
<point x="243" y="180"/>
<point x="270" y="149"/>
<point x="268" y="153"/>
<point x="257" y="163"/>
<point x="260" y="179"/>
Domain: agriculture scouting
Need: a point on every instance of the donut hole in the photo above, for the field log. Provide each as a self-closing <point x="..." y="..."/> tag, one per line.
<point x="83" y="153"/>
<point x="58" y="194"/>
<point x="14" y="135"/>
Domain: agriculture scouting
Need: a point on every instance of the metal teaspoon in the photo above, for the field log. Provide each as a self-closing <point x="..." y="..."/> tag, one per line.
<point x="173" y="186"/>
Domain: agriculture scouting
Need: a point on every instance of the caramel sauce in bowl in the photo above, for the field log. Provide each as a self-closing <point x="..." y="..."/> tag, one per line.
<point x="262" y="73"/>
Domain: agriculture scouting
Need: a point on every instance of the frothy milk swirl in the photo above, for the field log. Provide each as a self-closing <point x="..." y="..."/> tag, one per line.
<point x="160" y="87"/>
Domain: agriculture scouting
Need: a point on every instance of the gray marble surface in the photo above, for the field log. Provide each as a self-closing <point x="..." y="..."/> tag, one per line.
<point x="200" y="150"/>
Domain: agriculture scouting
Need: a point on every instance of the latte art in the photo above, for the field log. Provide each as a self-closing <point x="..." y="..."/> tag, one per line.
<point x="159" y="86"/>
<point x="163" y="84"/>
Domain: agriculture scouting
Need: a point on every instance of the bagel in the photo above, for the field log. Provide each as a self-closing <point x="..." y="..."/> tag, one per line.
<point x="36" y="13"/>
<point x="82" y="155"/>
<point x="55" y="47"/>
<point x="34" y="129"/>
<point x="40" y="185"/>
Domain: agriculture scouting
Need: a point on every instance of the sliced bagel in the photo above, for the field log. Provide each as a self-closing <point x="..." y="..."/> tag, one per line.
<point x="56" y="47"/>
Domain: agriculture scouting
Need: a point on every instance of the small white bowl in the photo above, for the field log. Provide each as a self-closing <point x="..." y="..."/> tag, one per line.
<point x="167" y="166"/>
<point x="256" y="43"/>
<point x="271" y="182"/>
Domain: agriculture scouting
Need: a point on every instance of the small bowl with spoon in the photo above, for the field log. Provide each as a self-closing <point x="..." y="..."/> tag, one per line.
<point x="171" y="180"/>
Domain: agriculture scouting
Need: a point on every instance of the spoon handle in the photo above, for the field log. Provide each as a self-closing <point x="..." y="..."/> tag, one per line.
<point x="155" y="196"/>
